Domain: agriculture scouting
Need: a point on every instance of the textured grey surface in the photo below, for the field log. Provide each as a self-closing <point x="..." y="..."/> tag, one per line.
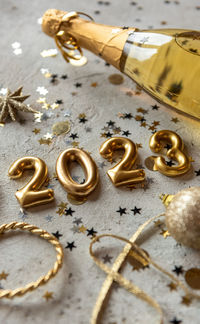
<point x="24" y="257"/>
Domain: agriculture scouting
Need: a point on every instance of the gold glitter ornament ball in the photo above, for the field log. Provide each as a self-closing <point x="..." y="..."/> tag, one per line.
<point x="182" y="217"/>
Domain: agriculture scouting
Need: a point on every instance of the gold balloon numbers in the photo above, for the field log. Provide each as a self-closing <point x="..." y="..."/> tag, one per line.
<point x="122" y="174"/>
<point x="31" y="195"/>
<point x="175" y="152"/>
<point x="77" y="192"/>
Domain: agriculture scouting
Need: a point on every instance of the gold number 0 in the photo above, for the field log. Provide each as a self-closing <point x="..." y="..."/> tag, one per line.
<point x="77" y="192"/>
<point x="29" y="195"/>
<point x="175" y="153"/>
<point x="121" y="174"/>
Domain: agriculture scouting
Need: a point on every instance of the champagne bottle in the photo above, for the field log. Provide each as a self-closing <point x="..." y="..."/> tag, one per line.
<point x="164" y="62"/>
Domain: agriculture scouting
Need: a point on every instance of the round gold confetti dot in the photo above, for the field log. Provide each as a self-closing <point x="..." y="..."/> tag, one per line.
<point x="61" y="128"/>
<point x="149" y="163"/>
<point x="192" y="277"/>
<point x="116" y="79"/>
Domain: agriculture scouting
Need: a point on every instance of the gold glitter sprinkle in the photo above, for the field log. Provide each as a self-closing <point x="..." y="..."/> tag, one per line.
<point x="139" y="145"/>
<point x="116" y="79"/>
<point x="192" y="277"/>
<point x="36" y="131"/>
<point x="61" y="128"/>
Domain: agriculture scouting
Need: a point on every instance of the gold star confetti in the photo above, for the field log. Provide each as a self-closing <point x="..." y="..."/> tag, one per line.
<point x="48" y="136"/>
<point x="141" y="110"/>
<point x="63" y="205"/>
<point x="186" y="300"/>
<point x="120" y="115"/>
<point x="41" y="100"/>
<point x="54" y="106"/>
<point x="139" y="145"/>
<point x="175" y="120"/>
<point x="165" y="233"/>
<point x="12" y="103"/>
<point x="158" y="223"/>
<point x="60" y="211"/>
<point x="45" y="141"/>
<point x="81" y="115"/>
<point x="117" y="130"/>
<point x="75" y="144"/>
<point x="156" y="123"/>
<point x="172" y="286"/>
<point x="94" y="84"/>
<point x="143" y="124"/>
<point x="103" y="134"/>
<point x="152" y="128"/>
<point x="138" y="117"/>
<point x="3" y="275"/>
<point x="82" y="229"/>
<point x="46" y="106"/>
<point x="48" y="295"/>
<point x="36" y="131"/>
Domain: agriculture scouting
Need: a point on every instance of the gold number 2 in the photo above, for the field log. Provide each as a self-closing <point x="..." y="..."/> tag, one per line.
<point x="175" y="153"/>
<point x="77" y="193"/>
<point x="121" y="174"/>
<point x="30" y="195"/>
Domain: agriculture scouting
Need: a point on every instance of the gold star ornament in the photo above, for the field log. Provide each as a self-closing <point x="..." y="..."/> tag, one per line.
<point x="11" y="103"/>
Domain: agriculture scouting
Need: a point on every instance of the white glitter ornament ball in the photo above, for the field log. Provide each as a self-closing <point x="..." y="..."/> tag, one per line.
<point x="182" y="217"/>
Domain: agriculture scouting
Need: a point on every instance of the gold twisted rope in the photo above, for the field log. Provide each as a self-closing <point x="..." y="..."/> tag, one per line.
<point x="114" y="275"/>
<point x="7" y="293"/>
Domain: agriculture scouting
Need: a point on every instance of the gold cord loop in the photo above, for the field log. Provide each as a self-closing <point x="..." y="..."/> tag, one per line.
<point x="7" y="293"/>
<point x="114" y="275"/>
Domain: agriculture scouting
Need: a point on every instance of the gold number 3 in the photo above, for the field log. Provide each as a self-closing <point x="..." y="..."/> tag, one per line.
<point x="30" y="195"/>
<point x="121" y="174"/>
<point x="175" y="153"/>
